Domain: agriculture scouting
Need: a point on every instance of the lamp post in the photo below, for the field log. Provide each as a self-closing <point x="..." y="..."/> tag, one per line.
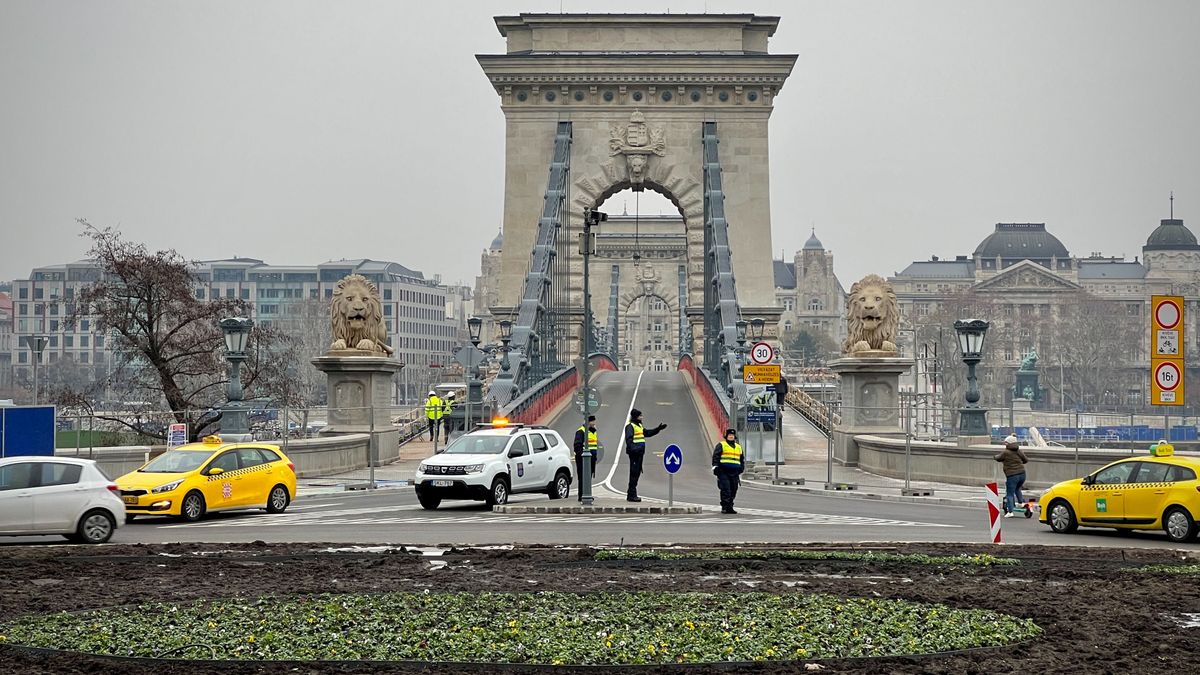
<point x="506" y="328"/>
<point x="587" y="246"/>
<point x="237" y="334"/>
<point x="474" y="387"/>
<point x="36" y="344"/>
<point x="972" y="419"/>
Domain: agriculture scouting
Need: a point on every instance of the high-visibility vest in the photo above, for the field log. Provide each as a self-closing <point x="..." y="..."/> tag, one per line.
<point x="593" y="442"/>
<point x="433" y="408"/>
<point x="639" y="433"/>
<point x="731" y="454"/>
<point x="448" y="407"/>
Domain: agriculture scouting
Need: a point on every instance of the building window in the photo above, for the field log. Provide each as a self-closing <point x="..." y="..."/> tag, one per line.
<point x="83" y="357"/>
<point x="815" y="305"/>
<point x="83" y="340"/>
<point x="23" y="293"/>
<point x="37" y="294"/>
<point x="199" y="293"/>
<point x="54" y="325"/>
<point x="229" y="292"/>
<point x="99" y="342"/>
<point x="85" y="325"/>
<point x="245" y="293"/>
<point x="788" y="305"/>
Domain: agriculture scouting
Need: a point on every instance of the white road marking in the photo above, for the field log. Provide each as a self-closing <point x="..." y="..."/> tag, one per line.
<point x="415" y="515"/>
<point x="621" y="443"/>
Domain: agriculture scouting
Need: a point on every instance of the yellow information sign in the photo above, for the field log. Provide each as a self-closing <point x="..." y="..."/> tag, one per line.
<point x="1166" y="350"/>
<point x="763" y="374"/>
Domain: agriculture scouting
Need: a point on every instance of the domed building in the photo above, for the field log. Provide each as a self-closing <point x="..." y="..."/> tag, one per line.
<point x="1024" y="280"/>
<point x="809" y="293"/>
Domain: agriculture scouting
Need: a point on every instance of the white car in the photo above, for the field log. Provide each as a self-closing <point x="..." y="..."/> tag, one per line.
<point x="489" y="464"/>
<point x="58" y="495"/>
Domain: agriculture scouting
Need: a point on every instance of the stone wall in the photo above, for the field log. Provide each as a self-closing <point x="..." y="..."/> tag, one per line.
<point x="974" y="465"/>
<point x="313" y="457"/>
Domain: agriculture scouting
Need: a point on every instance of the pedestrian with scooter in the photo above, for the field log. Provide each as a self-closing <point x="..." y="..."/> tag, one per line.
<point x="1014" y="462"/>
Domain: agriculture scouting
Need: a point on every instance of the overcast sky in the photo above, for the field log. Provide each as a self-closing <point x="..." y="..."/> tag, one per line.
<point x="298" y="131"/>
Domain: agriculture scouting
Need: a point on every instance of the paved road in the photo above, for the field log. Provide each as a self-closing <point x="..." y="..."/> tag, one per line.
<point x="766" y="514"/>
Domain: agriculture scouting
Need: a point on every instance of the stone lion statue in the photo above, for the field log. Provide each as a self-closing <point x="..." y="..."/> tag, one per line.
<point x="357" y="316"/>
<point x="872" y="316"/>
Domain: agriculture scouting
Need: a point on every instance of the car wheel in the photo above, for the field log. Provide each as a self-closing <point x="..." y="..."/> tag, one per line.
<point x="1062" y="517"/>
<point x="129" y="518"/>
<point x="193" y="507"/>
<point x="428" y="502"/>
<point x="499" y="493"/>
<point x="96" y="527"/>
<point x="561" y="487"/>
<point x="278" y="500"/>
<point x="1179" y="524"/>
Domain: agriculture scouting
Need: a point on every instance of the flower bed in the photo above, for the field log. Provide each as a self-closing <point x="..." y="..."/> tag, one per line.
<point x="543" y="628"/>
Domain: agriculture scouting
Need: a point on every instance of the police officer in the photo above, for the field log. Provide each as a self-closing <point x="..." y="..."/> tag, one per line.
<point x="728" y="463"/>
<point x="586" y="441"/>
<point x="447" y="419"/>
<point x="635" y="446"/>
<point x="433" y="413"/>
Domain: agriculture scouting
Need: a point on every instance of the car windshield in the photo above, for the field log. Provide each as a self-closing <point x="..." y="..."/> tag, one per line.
<point x="177" y="461"/>
<point x="477" y="445"/>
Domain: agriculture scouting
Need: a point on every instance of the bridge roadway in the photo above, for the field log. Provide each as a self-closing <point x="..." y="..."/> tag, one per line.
<point x="766" y="514"/>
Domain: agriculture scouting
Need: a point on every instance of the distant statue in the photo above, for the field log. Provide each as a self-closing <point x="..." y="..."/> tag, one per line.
<point x="1028" y="393"/>
<point x="1029" y="361"/>
<point x="357" y="317"/>
<point x="872" y="317"/>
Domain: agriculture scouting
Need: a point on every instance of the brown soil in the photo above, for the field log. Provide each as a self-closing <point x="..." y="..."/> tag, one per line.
<point x="1096" y="617"/>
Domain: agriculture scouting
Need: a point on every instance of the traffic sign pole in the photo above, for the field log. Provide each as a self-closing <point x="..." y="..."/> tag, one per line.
<point x="672" y="462"/>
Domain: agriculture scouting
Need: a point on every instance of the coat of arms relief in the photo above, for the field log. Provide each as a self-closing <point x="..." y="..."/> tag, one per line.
<point x="637" y="142"/>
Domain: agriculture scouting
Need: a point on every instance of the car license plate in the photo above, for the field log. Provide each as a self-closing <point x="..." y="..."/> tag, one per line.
<point x="129" y="500"/>
<point x="442" y="483"/>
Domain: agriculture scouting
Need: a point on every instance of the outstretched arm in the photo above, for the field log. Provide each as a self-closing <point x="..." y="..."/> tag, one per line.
<point x="655" y="430"/>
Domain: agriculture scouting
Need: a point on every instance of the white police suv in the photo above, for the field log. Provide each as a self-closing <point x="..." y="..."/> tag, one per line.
<point x="490" y="463"/>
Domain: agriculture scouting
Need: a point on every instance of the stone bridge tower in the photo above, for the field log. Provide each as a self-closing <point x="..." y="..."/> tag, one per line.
<point x="637" y="88"/>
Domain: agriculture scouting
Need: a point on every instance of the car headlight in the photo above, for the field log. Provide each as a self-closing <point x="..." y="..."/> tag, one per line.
<point x="167" y="488"/>
<point x="421" y="468"/>
<point x="473" y="468"/>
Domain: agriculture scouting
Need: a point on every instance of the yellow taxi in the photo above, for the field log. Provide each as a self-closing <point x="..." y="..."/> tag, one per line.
<point x="1159" y="491"/>
<point x="212" y="475"/>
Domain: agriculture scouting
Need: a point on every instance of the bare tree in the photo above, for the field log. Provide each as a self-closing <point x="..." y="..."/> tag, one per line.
<point x="167" y="347"/>
<point x="308" y="328"/>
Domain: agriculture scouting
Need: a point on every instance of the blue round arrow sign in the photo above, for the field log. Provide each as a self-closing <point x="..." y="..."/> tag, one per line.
<point x="673" y="458"/>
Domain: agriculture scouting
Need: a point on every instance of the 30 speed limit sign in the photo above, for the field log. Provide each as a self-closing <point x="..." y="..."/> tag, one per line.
<point x="761" y="353"/>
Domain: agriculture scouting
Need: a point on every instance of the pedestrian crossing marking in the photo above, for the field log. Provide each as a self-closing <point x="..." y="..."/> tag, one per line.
<point x="369" y="517"/>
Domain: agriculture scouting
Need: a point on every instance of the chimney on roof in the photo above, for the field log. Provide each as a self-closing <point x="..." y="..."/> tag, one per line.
<point x="960" y="257"/>
<point x="934" y="258"/>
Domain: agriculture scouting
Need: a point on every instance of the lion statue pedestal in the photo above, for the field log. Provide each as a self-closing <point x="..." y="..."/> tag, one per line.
<point x="360" y="370"/>
<point x="870" y="368"/>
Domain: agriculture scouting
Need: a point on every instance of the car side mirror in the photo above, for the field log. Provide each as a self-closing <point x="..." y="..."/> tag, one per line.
<point x="216" y="471"/>
<point x="1089" y="480"/>
<point x="515" y="453"/>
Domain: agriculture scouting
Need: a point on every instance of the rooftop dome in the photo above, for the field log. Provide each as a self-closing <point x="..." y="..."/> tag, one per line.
<point x="813" y="244"/>
<point x="1172" y="234"/>
<point x="1021" y="241"/>
<point x="498" y="242"/>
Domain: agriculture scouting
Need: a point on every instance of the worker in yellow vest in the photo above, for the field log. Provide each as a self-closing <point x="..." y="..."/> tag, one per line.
<point x="635" y="446"/>
<point x="433" y="414"/>
<point x="587" y="444"/>
<point x="448" y="406"/>
<point x="728" y="464"/>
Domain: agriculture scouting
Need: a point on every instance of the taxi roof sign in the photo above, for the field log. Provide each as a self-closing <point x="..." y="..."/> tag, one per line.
<point x="1162" y="449"/>
<point x="212" y="440"/>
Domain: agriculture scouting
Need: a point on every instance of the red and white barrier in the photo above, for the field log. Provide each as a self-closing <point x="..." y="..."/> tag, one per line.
<point x="995" y="509"/>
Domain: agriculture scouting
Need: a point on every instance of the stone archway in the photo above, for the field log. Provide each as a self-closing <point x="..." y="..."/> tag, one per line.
<point x="637" y="89"/>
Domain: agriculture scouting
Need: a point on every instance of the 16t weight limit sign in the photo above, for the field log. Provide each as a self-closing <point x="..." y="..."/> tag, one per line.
<point x="1168" y="383"/>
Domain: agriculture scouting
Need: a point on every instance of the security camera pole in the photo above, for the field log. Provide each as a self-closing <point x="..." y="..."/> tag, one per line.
<point x="587" y="246"/>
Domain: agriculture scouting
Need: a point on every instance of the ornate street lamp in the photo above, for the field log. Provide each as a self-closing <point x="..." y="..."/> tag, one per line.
<point x="506" y="329"/>
<point x="757" y="329"/>
<point x="237" y="334"/>
<point x="474" y="327"/>
<point x="972" y="419"/>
